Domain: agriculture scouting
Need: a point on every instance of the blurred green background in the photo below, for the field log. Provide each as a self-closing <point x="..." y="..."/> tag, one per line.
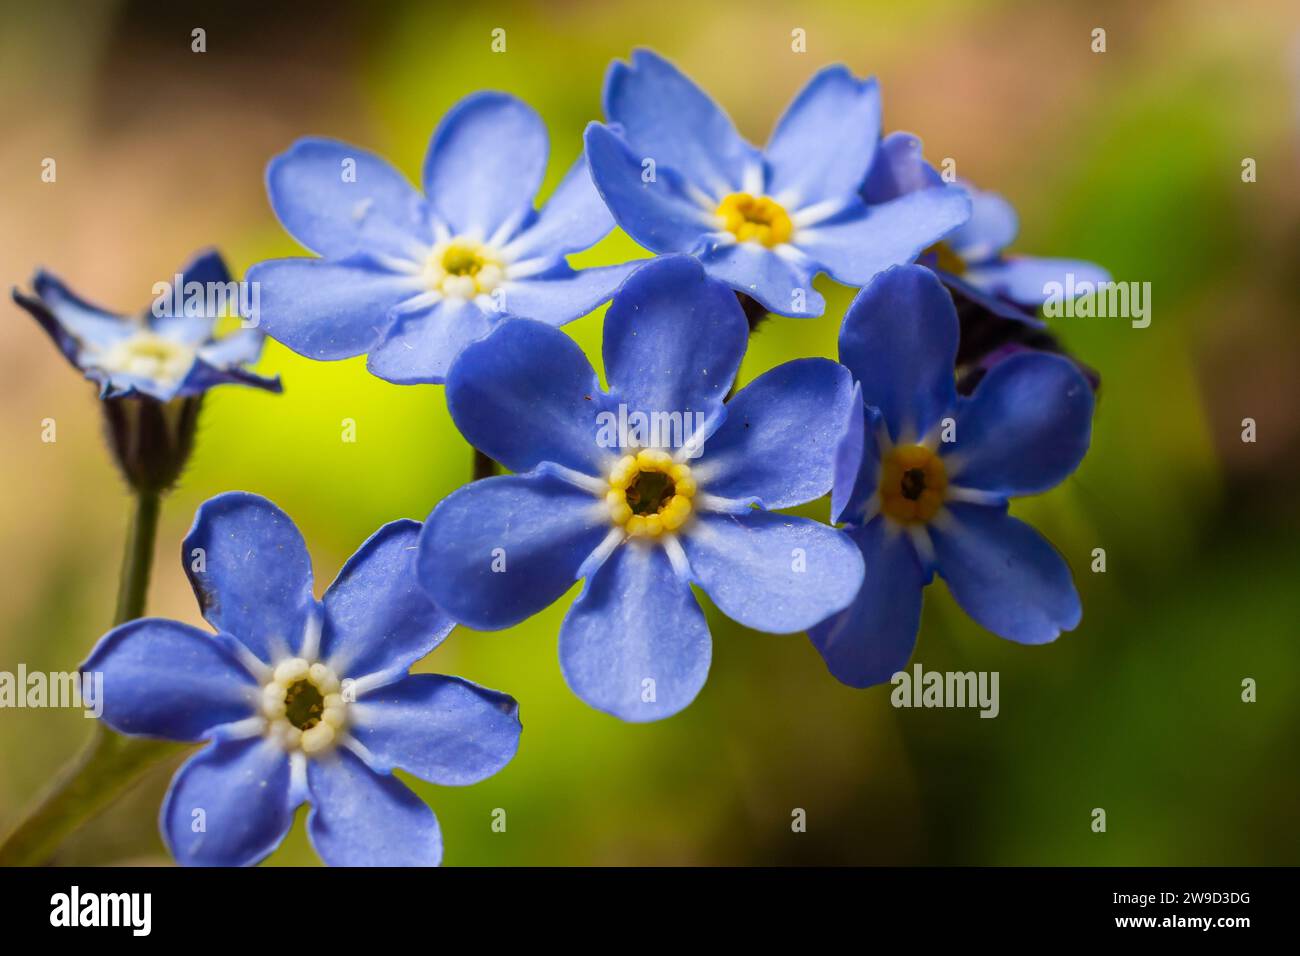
<point x="1131" y="158"/>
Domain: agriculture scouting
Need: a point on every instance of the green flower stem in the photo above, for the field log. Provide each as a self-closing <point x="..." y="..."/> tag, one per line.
<point x="110" y="763"/>
<point x="137" y="561"/>
<point x="102" y="772"/>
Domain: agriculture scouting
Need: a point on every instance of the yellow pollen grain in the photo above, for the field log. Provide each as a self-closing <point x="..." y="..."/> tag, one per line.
<point x="755" y="219"/>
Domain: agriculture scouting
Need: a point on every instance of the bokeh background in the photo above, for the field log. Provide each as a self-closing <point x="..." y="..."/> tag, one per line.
<point x="1131" y="158"/>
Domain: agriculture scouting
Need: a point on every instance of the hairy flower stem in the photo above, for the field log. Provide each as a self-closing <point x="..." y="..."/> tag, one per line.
<point x="484" y="466"/>
<point x="110" y="762"/>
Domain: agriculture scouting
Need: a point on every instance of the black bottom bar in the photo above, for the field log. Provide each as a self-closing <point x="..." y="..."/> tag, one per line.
<point x="339" y="905"/>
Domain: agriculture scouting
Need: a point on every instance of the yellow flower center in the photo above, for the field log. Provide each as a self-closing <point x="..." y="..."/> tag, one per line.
<point x="948" y="260"/>
<point x="755" y="219"/>
<point x="912" y="484"/>
<point x="649" y="494"/>
<point x="463" y="268"/>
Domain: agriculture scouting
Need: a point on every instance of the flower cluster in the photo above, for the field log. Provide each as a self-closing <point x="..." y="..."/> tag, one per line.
<point x="665" y="479"/>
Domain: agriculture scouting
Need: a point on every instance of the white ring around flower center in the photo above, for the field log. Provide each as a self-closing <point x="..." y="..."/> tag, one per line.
<point x="312" y="729"/>
<point x="147" y="355"/>
<point x="463" y="268"/>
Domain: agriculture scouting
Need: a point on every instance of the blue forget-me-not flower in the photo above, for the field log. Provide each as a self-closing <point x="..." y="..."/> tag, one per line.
<point x="923" y="479"/>
<point x="411" y="279"/>
<point x="679" y="178"/>
<point x="168" y="351"/>
<point x="972" y="258"/>
<point x="301" y="700"/>
<point x="643" y="490"/>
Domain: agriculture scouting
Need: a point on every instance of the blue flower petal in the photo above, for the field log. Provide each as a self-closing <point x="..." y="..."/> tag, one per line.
<point x="772" y="572"/>
<point x="1026" y="279"/>
<point x="377" y="617"/>
<point x="121" y="385"/>
<point x="668" y="118"/>
<point x="499" y="550"/>
<point x="1006" y="575"/>
<point x="992" y="227"/>
<point x="659" y="213"/>
<point x="991" y="302"/>
<point x="872" y="639"/>
<point x="822" y="147"/>
<point x="201" y="377"/>
<point x="167" y="679"/>
<point x="574" y="218"/>
<point x="899" y="339"/>
<point x="420" y="346"/>
<point x="779" y="440"/>
<point x="561" y="294"/>
<point x="203" y="267"/>
<point x="328" y="310"/>
<point x="526" y="394"/>
<point x="1026" y="427"/>
<point x="899" y="168"/>
<point x="206" y="268"/>
<point x="856" y="459"/>
<point x="362" y="818"/>
<point x="485" y="164"/>
<point x="337" y="199"/>
<point x="673" y="339"/>
<point x="229" y="805"/>
<point x="69" y="320"/>
<point x="781" y="285"/>
<point x="855" y="247"/>
<point x="240" y="347"/>
<point x="635" y="643"/>
<point x="252" y="576"/>
<point x="442" y="729"/>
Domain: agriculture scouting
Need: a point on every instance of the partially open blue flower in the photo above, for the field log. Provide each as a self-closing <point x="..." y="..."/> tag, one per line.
<point x="301" y="700"/>
<point x="981" y="260"/>
<point x="168" y="351"/>
<point x="924" y="478"/>
<point x="972" y="258"/>
<point x="678" y="178"/>
<point x="412" y="279"/>
<point x="643" y="490"/>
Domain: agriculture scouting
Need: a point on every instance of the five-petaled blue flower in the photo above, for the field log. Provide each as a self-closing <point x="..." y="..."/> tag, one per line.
<point x="923" y="478"/>
<point x="971" y="259"/>
<point x="679" y="178"/>
<point x="301" y="700"/>
<point x="676" y="493"/>
<point x="165" y="352"/>
<point x="412" y="279"/>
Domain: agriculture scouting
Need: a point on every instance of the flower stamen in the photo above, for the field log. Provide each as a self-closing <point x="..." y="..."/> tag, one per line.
<point x="755" y="219"/>
<point x="147" y="355"/>
<point x="650" y="494"/>
<point x="913" y="484"/>
<point x="303" y="705"/>
<point x="463" y="268"/>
